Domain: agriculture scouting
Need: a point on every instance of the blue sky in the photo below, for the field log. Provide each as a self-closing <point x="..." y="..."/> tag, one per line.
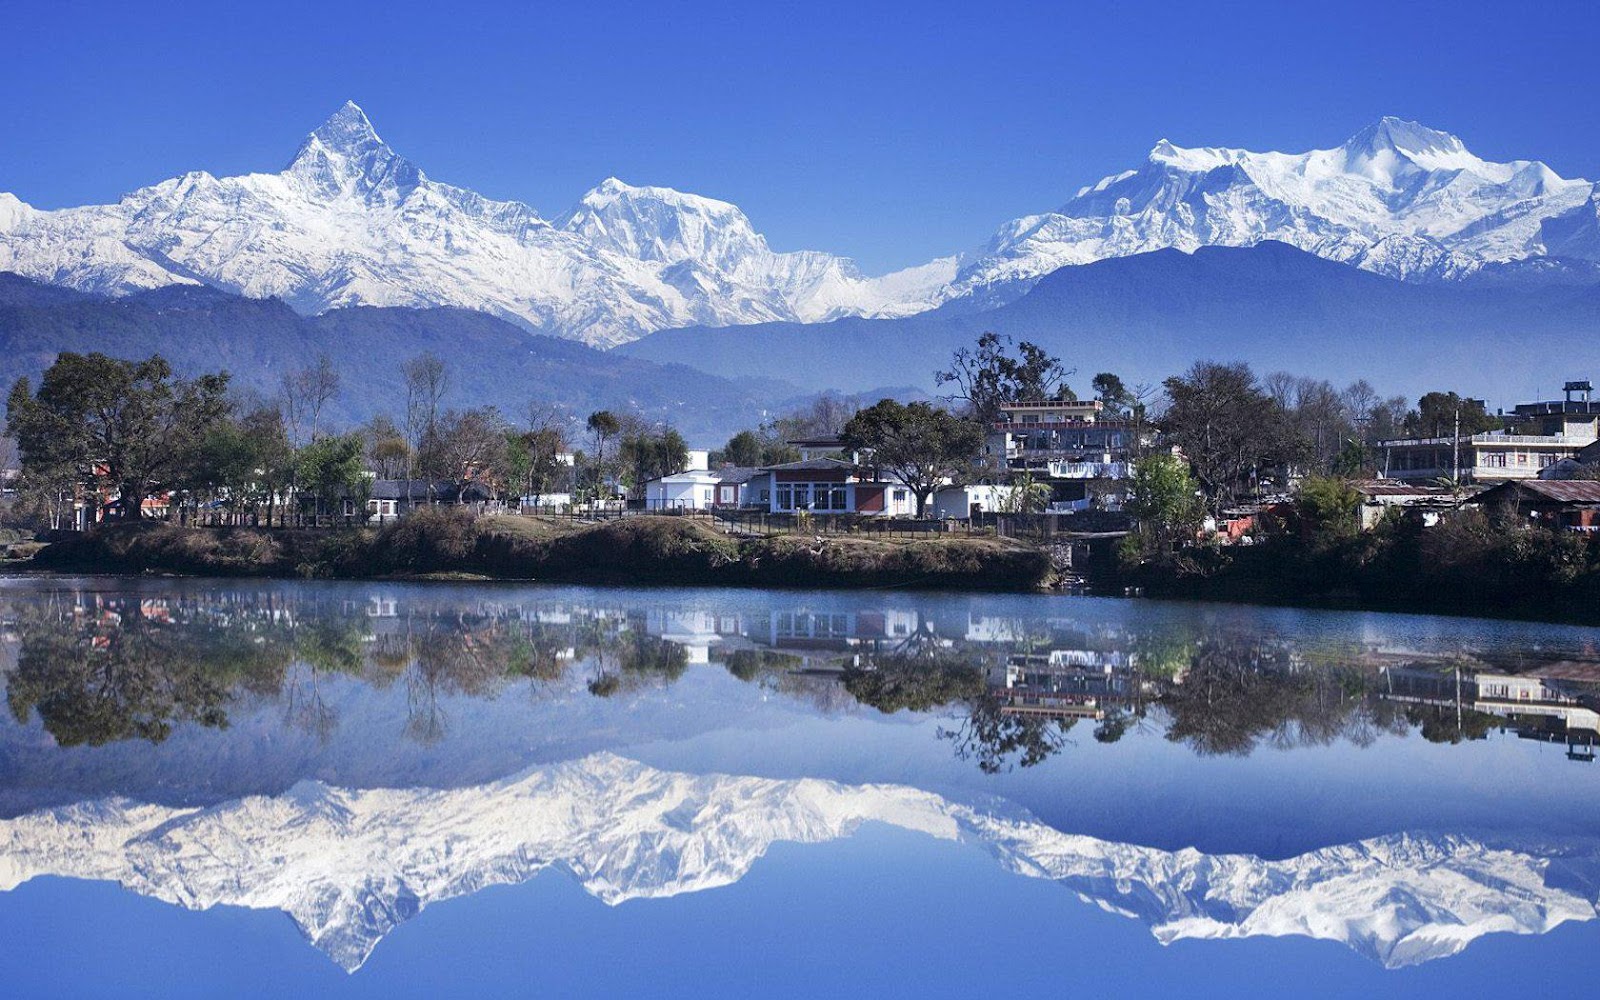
<point x="890" y="132"/>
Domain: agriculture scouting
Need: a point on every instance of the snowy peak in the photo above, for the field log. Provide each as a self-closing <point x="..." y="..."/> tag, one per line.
<point x="1397" y="135"/>
<point x="662" y="224"/>
<point x="344" y="156"/>
<point x="1397" y="198"/>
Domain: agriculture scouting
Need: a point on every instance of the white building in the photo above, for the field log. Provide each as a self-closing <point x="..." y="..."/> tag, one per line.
<point x="693" y="490"/>
<point x="964" y="501"/>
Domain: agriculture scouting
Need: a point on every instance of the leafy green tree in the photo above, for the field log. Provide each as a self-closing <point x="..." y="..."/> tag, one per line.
<point x="648" y="454"/>
<point x="1435" y="416"/>
<point x="331" y="470"/>
<point x="274" y="458"/>
<point x="129" y="424"/>
<point x="1164" y="501"/>
<point x="744" y="449"/>
<point x="1328" y="508"/>
<point x="1112" y="394"/>
<point x="989" y="375"/>
<point x="921" y="446"/>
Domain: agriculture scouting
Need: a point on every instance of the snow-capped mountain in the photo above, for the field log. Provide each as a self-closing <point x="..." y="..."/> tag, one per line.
<point x="1397" y="198"/>
<point x="352" y="222"/>
<point x="348" y="866"/>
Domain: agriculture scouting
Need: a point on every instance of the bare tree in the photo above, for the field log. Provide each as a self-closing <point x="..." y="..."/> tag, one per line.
<point x="468" y="444"/>
<point x="426" y="381"/>
<point x="304" y="394"/>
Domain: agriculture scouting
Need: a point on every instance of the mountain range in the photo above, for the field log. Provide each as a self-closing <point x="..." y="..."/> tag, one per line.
<point x="1151" y="315"/>
<point x="348" y="866"/>
<point x="351" y="222"/>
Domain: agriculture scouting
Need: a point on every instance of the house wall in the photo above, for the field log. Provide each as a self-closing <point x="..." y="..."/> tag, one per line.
<point x="958" y="501"/>
<point x="685" y="494"/>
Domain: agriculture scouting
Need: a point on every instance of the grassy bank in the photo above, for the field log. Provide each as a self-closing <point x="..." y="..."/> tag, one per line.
<point x="656" y="550"/>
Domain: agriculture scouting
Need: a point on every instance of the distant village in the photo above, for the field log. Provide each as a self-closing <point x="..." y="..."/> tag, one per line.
<point x="1216" y="456"/>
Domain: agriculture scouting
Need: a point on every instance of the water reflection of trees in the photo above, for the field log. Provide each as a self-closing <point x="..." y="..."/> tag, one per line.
<point x="96" y="669"/>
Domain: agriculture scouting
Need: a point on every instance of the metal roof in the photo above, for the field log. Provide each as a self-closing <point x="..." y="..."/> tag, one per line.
<point x="1393" y="488"/>
<point x="1559" y="490"/>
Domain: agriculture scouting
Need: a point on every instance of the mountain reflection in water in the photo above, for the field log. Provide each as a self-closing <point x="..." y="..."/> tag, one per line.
<point x="350" y="753"/>
<point x="350" y="866"/>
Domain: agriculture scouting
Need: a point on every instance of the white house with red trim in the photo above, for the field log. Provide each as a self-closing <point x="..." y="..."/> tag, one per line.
<point x="834" y="486"/>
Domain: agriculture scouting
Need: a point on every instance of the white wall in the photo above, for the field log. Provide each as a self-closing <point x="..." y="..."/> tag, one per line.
<point x="680" y="493"/>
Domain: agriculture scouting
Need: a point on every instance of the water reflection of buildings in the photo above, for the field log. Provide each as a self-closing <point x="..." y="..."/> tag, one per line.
<point x="1064" y="683"/>
<point x="816" y="637"/>
<point x="1555" y="703"/>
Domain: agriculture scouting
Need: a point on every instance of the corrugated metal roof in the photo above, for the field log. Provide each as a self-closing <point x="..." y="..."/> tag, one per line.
<point x="1565" y="490"/>
<point x="1391" y="488"/>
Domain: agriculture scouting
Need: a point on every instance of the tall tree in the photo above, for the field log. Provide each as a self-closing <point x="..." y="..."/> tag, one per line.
<point x="304" y="394"/>
<point x="1112" y="393"/>
<point x="467" y="445"/>
<point x="921" y="446"/>
<point x="331" y="469"/>
<point x="989" y="375"/>
<point x="1227" y="426"/>
<point x="273" y="455"/>
<point x="426" y="379"/>
<point x="650" y="454"/>
<point x="603" y="425"/>
<point x="1436" y="416"/>
<point x="129" y="424"/>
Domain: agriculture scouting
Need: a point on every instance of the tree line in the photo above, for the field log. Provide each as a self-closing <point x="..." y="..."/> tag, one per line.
<point x="127" y="431"/>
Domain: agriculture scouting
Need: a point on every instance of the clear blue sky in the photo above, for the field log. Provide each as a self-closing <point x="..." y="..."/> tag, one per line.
<point x="890" y="132"/>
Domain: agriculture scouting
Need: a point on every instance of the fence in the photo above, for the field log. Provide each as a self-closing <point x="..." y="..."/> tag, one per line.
<point x="1041" y="528"/>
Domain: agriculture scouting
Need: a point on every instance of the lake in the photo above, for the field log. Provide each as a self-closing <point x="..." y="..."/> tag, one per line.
<point x="380" y="789"/>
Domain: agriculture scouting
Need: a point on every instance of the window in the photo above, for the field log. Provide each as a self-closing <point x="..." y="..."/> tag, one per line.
<point x="1493" y="460"/>
<point x="785" y="497"/>
<point x="839" y="501"/>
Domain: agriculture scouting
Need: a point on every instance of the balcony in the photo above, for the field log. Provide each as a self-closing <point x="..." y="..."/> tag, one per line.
<point x="1088" y="470"/>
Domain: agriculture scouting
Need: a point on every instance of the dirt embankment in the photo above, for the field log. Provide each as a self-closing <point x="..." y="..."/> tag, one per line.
<point x="655" y="550"/>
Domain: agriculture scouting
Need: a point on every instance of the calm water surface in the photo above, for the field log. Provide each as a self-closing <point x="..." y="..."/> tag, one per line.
<point x="389" y="790"/>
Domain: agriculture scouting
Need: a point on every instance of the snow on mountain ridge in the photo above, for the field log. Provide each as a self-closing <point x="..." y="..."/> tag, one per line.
<point x="1397" y="198"/>
<point x="350" y="221"/>
<point x="349" y="865"/>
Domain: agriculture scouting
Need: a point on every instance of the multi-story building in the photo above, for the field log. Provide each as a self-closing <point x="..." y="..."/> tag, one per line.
<point x="1562" y="429"/>
<point x="1066" y="444"/>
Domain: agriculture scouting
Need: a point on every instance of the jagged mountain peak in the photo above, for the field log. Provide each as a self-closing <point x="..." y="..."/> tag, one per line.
<point x="1403" y="136"/>
<point x="345" y="154"/>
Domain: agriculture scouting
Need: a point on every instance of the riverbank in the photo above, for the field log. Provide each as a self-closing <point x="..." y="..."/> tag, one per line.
<point x="653" y="550"/>
<point x="1468" y="566"/>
